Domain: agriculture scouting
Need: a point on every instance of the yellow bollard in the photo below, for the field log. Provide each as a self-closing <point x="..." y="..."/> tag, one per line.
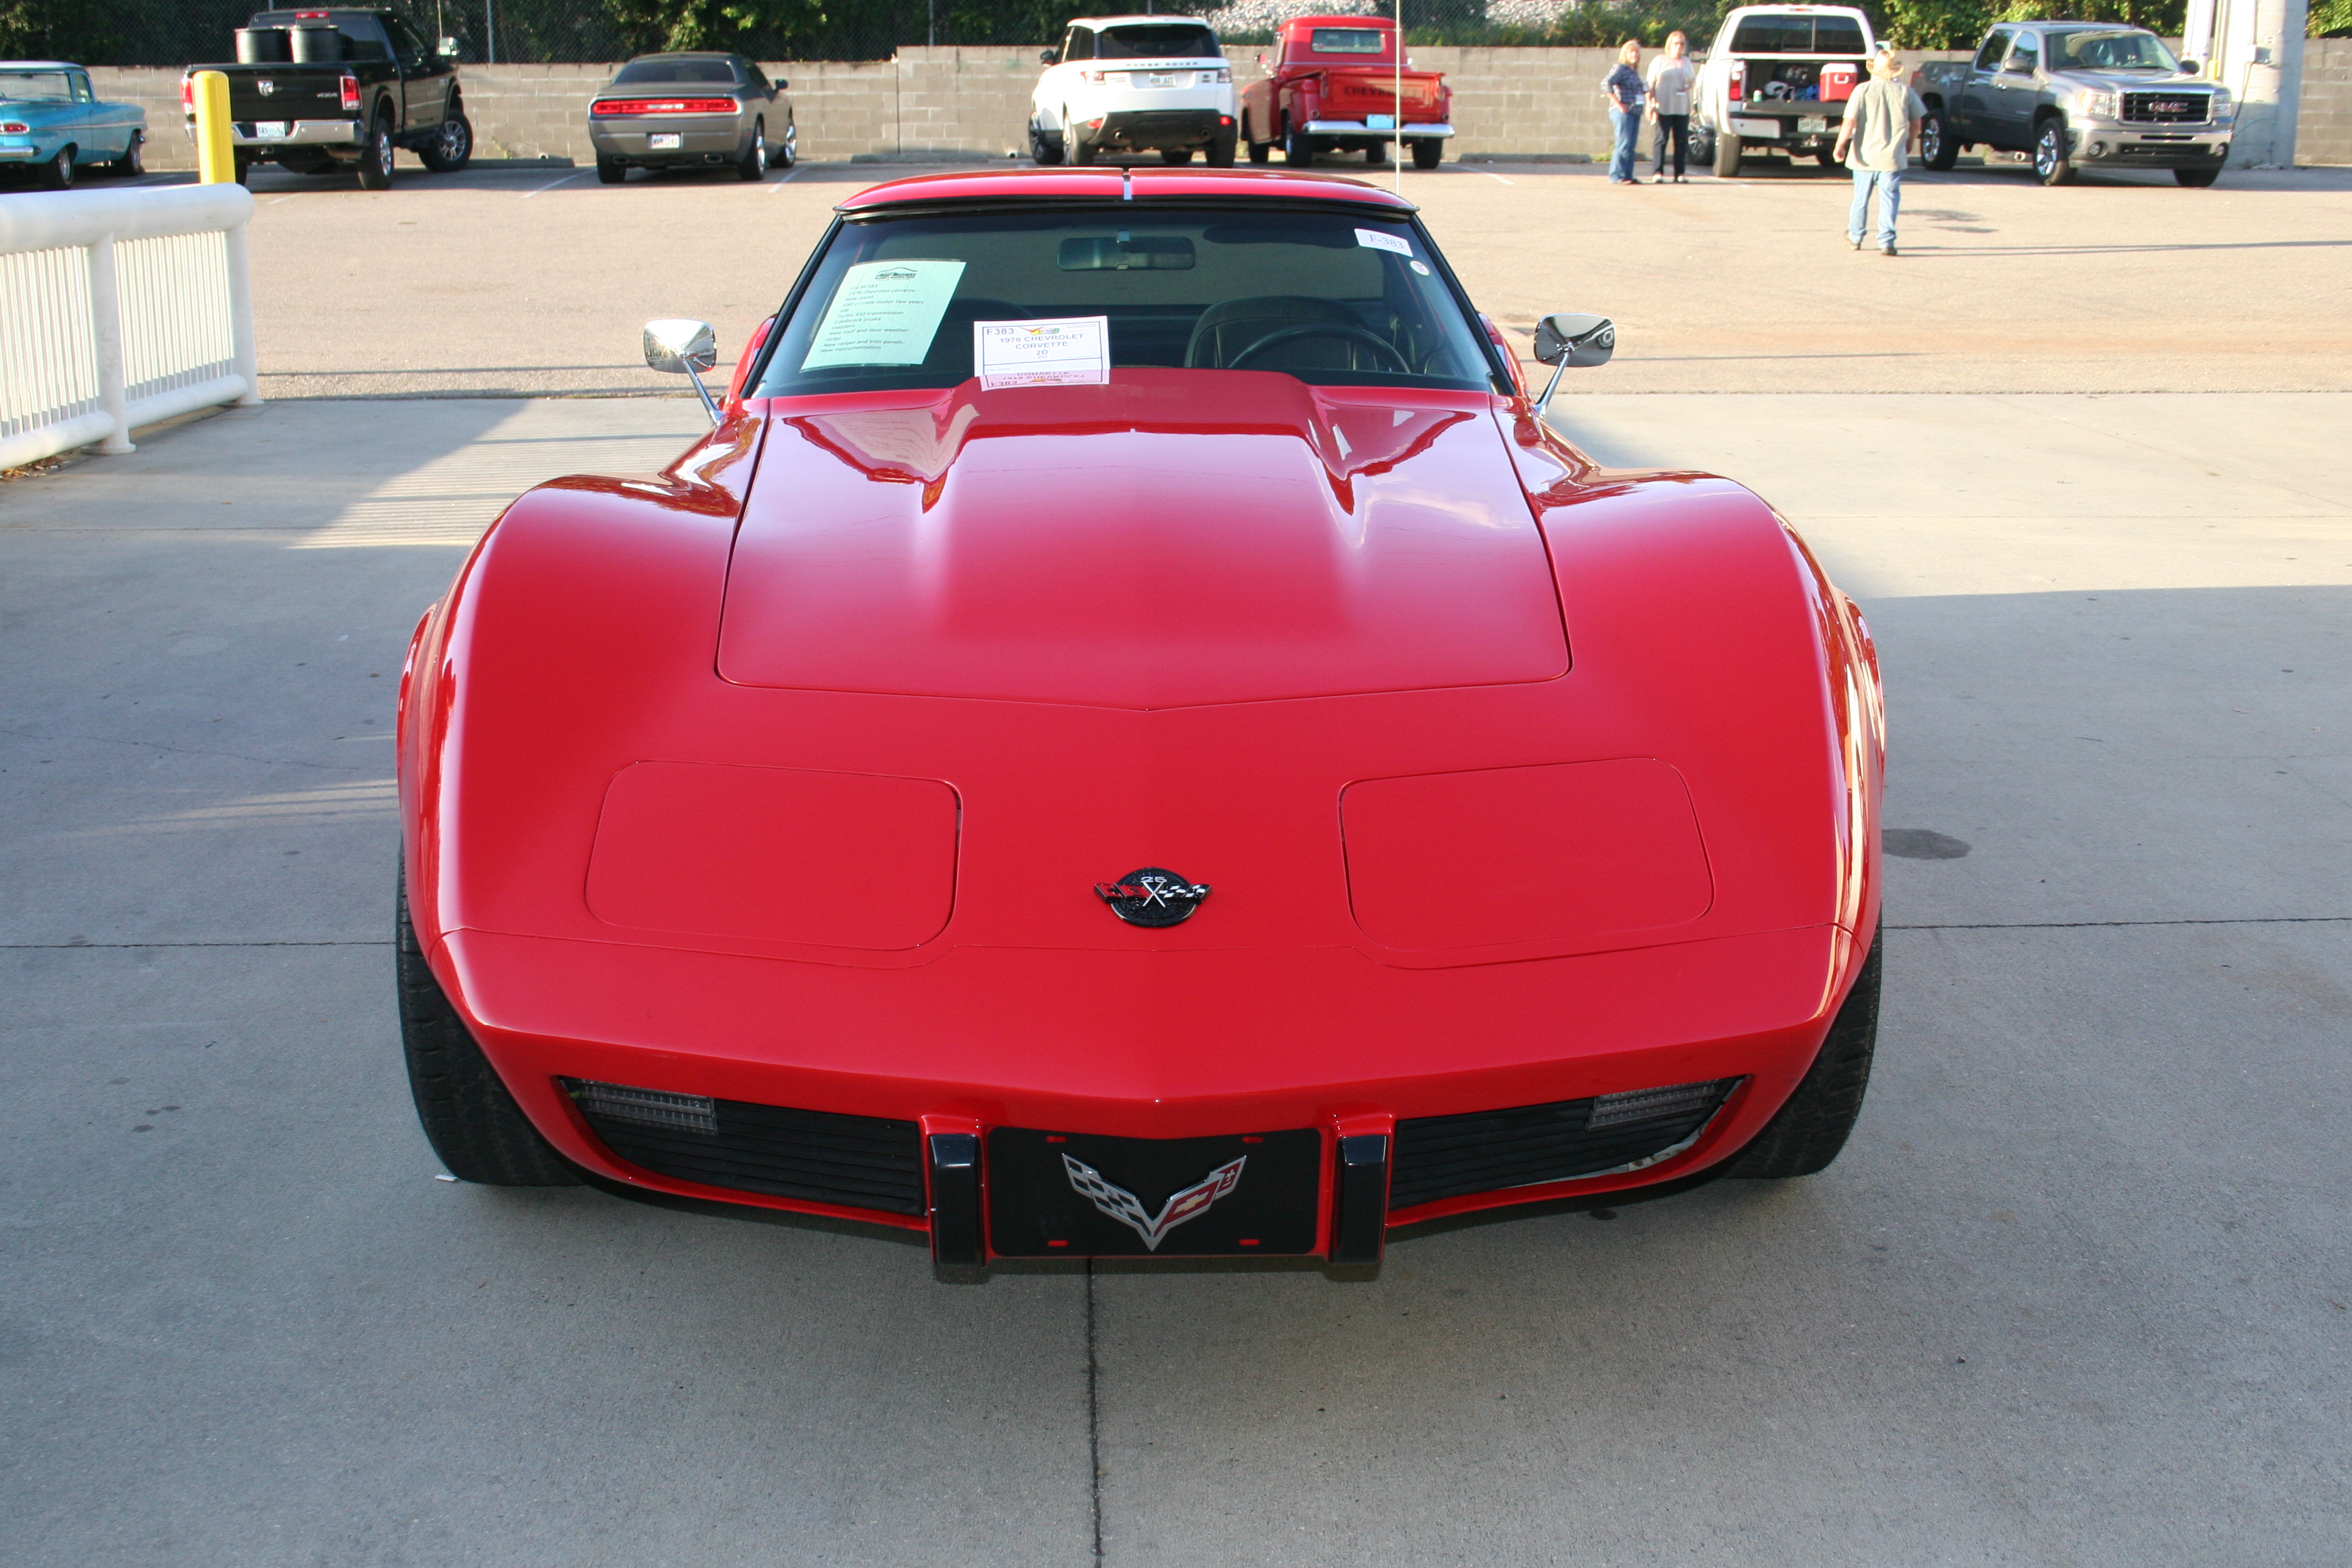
<point x="215" y="156"/>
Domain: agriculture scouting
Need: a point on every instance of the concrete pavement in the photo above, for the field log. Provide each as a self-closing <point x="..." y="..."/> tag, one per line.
<point x="2079" y="1291"/>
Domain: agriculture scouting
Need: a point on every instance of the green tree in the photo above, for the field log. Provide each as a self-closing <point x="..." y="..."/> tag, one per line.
<point x="653" y="25"/>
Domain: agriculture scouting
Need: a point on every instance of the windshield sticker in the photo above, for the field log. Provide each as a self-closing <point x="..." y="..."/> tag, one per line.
<point x="885" y="312"/>
<point x="1074" y="350"/>
<point x="1422" y="268"/>
<point x="1379" y="241"/>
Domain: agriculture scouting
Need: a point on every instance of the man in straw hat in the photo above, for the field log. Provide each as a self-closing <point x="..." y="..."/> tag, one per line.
<point x="1874" y="141"/>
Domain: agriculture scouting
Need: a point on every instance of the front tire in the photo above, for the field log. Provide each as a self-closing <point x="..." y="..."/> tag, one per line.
<point x="1938" y="147"/>
<point x="2052" y="165"/>
<point x="1726" y="154"/>
<point x="375" y="156"/>
<point x="57" y="173"/>
<point x="453" y="149"/>
<point x="1428" y="151"/>
<point x="1811" y="1129"/>
<point x="470" y="1119"/>
<point x="1261" y="151"/>
<point x="134" y="162"/>
<point x="2197" y="179"/>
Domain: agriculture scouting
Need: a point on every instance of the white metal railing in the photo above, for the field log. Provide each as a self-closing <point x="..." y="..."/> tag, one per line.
<point x="119" y="309"/>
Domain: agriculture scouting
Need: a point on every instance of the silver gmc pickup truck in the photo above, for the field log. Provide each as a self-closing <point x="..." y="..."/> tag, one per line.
<point x="2077" y="94"/>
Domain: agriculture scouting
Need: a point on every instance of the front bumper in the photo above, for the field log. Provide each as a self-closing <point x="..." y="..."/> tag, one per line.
<point x="1413" y="131"/>
<point x="2131" y="146"/>
<point x="1235" y="1044"/>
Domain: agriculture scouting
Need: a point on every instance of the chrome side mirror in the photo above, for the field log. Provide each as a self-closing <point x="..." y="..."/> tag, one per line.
<point x="447" y="49"/>
<point x="684" y="348"/>
<point x="1572" y="338"/>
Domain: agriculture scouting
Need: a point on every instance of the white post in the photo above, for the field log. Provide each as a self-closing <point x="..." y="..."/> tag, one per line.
<point x="246" y="357"/>
<point x="2260" y="45"/>
<point x="106" y="343"/>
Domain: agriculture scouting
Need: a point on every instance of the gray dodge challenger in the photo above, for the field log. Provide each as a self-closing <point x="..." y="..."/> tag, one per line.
<point x="691" y="111"/>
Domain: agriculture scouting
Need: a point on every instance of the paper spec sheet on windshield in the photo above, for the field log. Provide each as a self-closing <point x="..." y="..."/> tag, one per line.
<point x="1074" y="350"/>
<point x="885" y="312"/>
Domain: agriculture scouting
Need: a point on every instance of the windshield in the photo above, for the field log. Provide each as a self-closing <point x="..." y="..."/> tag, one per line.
<point x="1150" y="43"/>
<point x="641" y="73"/>
<point x="2118" y="51"/>
<point x="35" y="87"/>
<point x="1333" y="298"/>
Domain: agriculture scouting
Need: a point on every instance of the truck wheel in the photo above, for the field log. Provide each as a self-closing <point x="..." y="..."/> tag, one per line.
<point x="1726" y="154"/>
<point x="1044" y="147"/>
<point x="1938" y="150"/>
<point x="2051" y="166"/>
<point x="2197" y="178"/>
<point x="1428" y="151"/>
<point x="1175" y="155"/>
<point x="1812" y="1127"/>
<point x="470" y="1119"/>
<point x="1260" y="152"/>
<point x="1221" y="153"/>
<point x="57" y="173"/>
<point x="375" y="155"/>
<point x="1298" y="149"/>
<point x="243" y="169"/>
<point x="134" y="162"/>
<point x="753" y="164"/>
<point x="453" y="149"/>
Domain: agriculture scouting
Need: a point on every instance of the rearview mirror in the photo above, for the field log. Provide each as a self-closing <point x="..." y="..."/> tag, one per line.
<point x="678" y="347"/>
<point x="1050" y="57"/>
<point x="1571" y="338"/>
<point x="1151" y="253"/>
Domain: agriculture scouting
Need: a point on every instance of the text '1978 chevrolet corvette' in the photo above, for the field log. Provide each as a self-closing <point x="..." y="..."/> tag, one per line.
<point x="1132" y="737"/>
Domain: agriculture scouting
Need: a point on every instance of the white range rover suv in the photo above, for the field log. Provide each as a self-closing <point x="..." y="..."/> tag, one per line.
<point x="1134" y="84"/>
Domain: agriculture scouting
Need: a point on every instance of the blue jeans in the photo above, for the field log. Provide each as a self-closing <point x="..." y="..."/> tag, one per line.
<point x="1627" y="123"/>
<point x="1888" y="184"/>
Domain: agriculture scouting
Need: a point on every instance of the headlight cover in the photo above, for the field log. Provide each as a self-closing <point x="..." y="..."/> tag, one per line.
<point x="2095" y="105"/>
<point x="2223" y="109"/>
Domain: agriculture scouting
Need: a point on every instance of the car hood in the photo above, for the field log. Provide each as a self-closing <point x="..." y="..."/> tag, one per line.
<point x="2129" y="80"/>
<point x="1173" y="539"/>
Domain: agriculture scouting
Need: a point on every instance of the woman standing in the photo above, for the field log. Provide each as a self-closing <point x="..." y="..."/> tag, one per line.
<point x="1626" y="96"/>
<point x="1671" y="76"/>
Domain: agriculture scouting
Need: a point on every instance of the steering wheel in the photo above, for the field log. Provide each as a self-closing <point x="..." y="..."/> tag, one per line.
<point x="1320" y="329"/>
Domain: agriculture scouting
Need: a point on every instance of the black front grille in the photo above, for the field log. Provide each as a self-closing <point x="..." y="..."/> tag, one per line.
<point x="1484" y="1152"/>
<point x="858" y="1161"/>
<point x="2168" y="108"/>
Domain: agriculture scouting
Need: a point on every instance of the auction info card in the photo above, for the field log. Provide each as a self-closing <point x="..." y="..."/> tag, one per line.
<point x="1074" y="350"/>
<point x="885" y="312"/>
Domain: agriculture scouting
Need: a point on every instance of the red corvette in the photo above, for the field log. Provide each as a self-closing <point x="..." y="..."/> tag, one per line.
<point x="1131" y="736"/>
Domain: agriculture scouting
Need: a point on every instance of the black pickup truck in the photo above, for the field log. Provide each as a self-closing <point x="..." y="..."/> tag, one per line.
<point x="317" y="91"/>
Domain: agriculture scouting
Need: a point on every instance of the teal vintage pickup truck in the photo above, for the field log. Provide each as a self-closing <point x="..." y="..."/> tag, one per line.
<point x="52" y="123"/>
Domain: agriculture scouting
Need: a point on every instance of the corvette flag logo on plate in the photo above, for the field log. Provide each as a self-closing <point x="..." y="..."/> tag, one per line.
<point x="1128" y="1209"/>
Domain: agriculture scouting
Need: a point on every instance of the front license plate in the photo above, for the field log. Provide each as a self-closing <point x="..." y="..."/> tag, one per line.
<point x="1813" y="124"/>
<point x="1380" y="121"/>
<point x="1159" y="79"/>
<point x="1075" y="1194"/>
<point x="665" y="140"/>
<point x="269" y="131"/>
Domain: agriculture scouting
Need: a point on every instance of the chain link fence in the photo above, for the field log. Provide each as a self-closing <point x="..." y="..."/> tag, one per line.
<point x="523" y="32"/>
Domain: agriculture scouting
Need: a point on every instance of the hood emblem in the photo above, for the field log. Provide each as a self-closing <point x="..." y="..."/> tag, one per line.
<point x="1152" y="896"/>
<point x="265" y="87"/>
<point x="1128" y="1209"/>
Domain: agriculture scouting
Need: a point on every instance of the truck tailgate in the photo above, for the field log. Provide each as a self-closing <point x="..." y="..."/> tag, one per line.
<point x="285" y="92"/>
<point x="1348" y="94"/>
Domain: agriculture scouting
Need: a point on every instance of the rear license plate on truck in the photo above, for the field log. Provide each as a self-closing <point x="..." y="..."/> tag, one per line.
<point x="269" y="131"/>
<point x="1380" y="121"/>
<point x="1813" y="124"/>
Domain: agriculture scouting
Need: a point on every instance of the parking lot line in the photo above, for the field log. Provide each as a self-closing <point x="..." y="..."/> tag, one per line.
<point x="552" y="183"/>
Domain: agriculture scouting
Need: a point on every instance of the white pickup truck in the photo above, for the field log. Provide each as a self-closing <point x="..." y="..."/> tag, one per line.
<point x="1777" y="80"/>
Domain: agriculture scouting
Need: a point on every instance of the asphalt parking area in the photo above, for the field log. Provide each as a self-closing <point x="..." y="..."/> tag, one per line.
<point x="528" y="281"/>
<point x="2078" y="1292"/>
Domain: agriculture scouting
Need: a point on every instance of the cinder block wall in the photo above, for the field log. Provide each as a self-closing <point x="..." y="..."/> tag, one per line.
<point x="974" y="103"/>
<point x="2323" y="125"/>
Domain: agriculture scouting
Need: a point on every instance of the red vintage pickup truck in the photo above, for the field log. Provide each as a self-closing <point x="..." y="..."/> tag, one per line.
<point x="1333" y="85"/>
